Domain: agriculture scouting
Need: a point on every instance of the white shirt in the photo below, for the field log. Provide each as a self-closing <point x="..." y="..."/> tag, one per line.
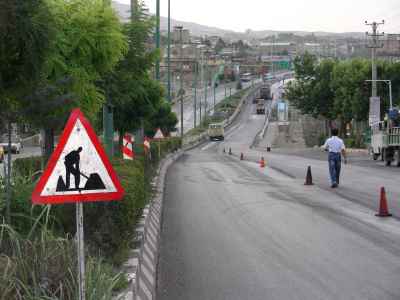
<point x="334" y="144"/>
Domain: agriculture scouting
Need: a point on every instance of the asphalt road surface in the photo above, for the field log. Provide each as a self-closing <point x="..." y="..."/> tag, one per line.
<point x="234" y="231"/>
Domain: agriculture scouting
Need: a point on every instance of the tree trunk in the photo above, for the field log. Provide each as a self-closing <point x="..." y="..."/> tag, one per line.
<point x="48" y="143"/>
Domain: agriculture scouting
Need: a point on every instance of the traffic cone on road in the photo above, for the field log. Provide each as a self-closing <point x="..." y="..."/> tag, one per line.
<point x="241" y="156"/>
<point x="230" y="151"/>
<point x="309" y="177"/>
<point x="224" y="150"/>
<point x="383" y="207"/>
<point x="262" y="162"/>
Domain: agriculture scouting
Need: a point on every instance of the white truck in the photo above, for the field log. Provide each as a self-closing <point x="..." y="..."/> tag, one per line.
<point x="216" y="131"/>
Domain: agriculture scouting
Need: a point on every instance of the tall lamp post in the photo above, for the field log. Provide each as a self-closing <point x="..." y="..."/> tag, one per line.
<point x="158" y="38"/>
<point x="169" y="51"/>
<point x="206" y="52"/>
<point x="181" y="91"/>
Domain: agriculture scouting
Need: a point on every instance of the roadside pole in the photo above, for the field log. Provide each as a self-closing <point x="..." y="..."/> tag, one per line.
<point x="195" y="95"/>
<point x="8" y="212"/>
<point x="158" y="38"/>
<point x="169" y="51"/>
<point x="214" y="94"/>
<point x="80" y="251"/>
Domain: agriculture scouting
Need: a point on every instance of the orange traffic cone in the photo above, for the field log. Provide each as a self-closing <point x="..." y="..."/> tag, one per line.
<point x="383" y="207"/>
<point x="241" y="156"/>
<point x="309" y="177"/>
<point x="230" y="151"/>
<point x="262" y="162"/>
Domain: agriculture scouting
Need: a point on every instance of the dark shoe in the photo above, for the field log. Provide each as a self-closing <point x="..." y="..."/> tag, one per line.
<point x="334" y="185"/>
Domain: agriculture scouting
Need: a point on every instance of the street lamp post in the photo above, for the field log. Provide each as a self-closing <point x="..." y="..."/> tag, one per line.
<point x="195" y="91"/>
<point x="179" y="29"/>
<point x="158" y="38"/>
<point x="169" y="51"/>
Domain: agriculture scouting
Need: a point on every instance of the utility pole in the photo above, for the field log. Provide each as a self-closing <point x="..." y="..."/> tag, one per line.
<point x="272" y="53"/>
<point x="207" y="80"/>
<point x="158" y="38"/>
<point x="195" y="90"/>
<point x="108" y="113"/>
<point x="180" y="28"/>
<point x="169" y="52"/>
<point x="374" y="45"/>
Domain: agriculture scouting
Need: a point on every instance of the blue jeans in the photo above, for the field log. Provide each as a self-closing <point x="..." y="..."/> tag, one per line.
<point x="334" y="160"/>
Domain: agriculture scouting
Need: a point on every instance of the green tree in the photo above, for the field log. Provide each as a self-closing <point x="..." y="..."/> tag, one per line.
<point x="137" y="98"/>
<point x="219" y="45"/>
<point x="163" y="118"/>
<point x="88" y="43"/>
<point x="26" y="31"/>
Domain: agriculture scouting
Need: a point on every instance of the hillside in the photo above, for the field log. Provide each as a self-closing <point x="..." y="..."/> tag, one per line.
<point x="202" y="30"/>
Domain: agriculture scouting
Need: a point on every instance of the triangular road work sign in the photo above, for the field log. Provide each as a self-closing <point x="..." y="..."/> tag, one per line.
<point x="159" y="135"/>
<point x="79" y="169"/>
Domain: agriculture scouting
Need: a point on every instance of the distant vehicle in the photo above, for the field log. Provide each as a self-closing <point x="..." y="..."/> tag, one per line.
<point x="1" y="154"/>
<point x="16" y="144"/>
<point x="265" y="92"/>
<point x="260" y="106"/>
<point x="385" y="138"/>
<point x="216" y="131"/>
<point x="268" y="76"/>
<point x="246" y="77"/>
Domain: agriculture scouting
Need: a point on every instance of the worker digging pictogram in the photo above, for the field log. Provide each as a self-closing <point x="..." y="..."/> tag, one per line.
<point x="71" y="161"/>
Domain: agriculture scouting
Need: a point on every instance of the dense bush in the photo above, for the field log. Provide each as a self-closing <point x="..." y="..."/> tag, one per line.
<point x="28" y="166"/>
<point x="109" y="226"/>
<point x="41" y="266"/>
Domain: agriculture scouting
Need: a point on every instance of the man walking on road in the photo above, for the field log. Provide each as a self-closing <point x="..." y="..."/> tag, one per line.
<point x="336" y="148"/>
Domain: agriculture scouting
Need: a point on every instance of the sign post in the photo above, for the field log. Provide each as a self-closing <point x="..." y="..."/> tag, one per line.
<point x="78" y="171"/>
<point x="159" y="136"/>
<point x="81" y="251"/>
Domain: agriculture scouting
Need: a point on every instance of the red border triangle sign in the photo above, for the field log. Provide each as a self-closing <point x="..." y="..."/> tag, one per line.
<point x="79" y="169"/>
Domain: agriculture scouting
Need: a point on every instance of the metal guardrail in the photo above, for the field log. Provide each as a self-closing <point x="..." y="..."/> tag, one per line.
<point x="393" y="138"/>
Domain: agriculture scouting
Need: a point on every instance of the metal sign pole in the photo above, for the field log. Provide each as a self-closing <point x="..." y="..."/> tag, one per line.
<point x="81" y="251"/>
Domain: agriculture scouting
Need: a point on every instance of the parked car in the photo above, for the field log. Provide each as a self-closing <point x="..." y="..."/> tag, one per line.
<point x="16" y="144"/>
<point x="1" y="154"/>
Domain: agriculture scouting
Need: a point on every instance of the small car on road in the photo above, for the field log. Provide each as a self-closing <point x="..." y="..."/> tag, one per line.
<point x="1" y="154"/>
<point x="16" y="143"/>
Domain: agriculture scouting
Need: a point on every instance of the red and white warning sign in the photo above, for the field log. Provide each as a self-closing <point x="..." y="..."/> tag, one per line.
<point x="127" y="147"/>
<point x="146" y="144"/>
<point x="159" y="135"/>
<point x="79" y="169"/>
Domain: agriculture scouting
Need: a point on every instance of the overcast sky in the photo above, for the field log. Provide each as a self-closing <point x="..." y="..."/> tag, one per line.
<point x="309" y="15"/>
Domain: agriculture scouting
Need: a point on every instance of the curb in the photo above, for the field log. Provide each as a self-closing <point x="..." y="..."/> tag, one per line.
<point x="146" y="271"/>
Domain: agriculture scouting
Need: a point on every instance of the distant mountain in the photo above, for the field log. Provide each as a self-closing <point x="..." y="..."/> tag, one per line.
<point x="202" y="30"/>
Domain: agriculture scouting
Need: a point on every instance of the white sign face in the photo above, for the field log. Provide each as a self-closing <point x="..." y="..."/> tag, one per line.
<point x="159" y="134"/>
<point x="79" y="170"/>
<point x="374" y="110"/>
